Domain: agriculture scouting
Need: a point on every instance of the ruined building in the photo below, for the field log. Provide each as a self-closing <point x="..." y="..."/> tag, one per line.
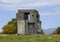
<point x="28" y="22"/>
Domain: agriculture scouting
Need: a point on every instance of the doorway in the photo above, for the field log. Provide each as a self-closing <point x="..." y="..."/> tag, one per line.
<point x="31" y="28"/>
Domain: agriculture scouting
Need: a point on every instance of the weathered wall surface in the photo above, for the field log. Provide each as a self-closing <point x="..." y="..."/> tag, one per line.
<point x="28" y="26"/>
<point x="21" y="26"/>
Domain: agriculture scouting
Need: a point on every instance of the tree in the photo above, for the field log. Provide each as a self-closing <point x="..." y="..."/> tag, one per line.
<point x="11" y="27"/>
<point x="42" y="31"/>
<point x="54" y="33"/>
<point x="58" y="30"/>
<point x="14" y="21"/>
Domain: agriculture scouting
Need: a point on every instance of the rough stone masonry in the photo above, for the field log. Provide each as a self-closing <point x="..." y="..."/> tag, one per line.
<point x="28" y="22"/>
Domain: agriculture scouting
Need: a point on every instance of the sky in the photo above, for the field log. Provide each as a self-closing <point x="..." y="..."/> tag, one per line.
<point x="49" y="11"/>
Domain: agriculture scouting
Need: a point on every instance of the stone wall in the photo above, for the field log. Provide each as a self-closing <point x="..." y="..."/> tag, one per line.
<point x="28" y="25"/>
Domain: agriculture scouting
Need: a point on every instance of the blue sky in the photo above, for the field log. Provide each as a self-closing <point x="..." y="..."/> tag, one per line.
<point x="49" y="11"/>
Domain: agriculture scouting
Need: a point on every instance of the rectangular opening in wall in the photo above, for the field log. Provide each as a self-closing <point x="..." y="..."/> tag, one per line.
<point x="31" y="28"/>
<point x="27" y="16"/>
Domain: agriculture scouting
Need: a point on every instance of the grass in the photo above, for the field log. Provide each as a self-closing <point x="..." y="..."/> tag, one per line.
<point x="30" y="38"/>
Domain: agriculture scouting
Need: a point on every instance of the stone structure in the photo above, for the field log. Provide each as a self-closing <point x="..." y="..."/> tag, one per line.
<point x="28" y="22"/>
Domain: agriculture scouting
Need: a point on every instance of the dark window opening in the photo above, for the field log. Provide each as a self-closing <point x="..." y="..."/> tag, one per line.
<point x="32" y="15"/>
<point x="37" y="16"/>
<point x="27" y="16"/>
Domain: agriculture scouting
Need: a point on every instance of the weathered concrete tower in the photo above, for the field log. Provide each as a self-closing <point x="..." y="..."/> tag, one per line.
<point x="28" y="22"/>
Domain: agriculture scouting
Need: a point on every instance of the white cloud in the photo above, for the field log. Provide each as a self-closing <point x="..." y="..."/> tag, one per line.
<point x="29" y="4"/>
<point x="21" y="3"/>
<point x="10" y="1"/>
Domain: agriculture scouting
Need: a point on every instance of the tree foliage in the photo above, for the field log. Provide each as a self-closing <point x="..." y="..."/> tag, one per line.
<point x="54" y="33"/>
<point x="42" y="31"/>
<point x="58" y="30"/>
<point x="11" y="27"/>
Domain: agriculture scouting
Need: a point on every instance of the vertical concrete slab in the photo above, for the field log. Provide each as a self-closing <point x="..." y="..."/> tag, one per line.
<point x="21" y="26"/>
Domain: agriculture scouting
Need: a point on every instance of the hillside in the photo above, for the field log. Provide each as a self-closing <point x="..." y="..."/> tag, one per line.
<point x="30" y="38"/>
<point x="49" y="31"/>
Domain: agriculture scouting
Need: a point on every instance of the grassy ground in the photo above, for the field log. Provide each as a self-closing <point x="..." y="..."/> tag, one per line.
<point x="30" y="38"/>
